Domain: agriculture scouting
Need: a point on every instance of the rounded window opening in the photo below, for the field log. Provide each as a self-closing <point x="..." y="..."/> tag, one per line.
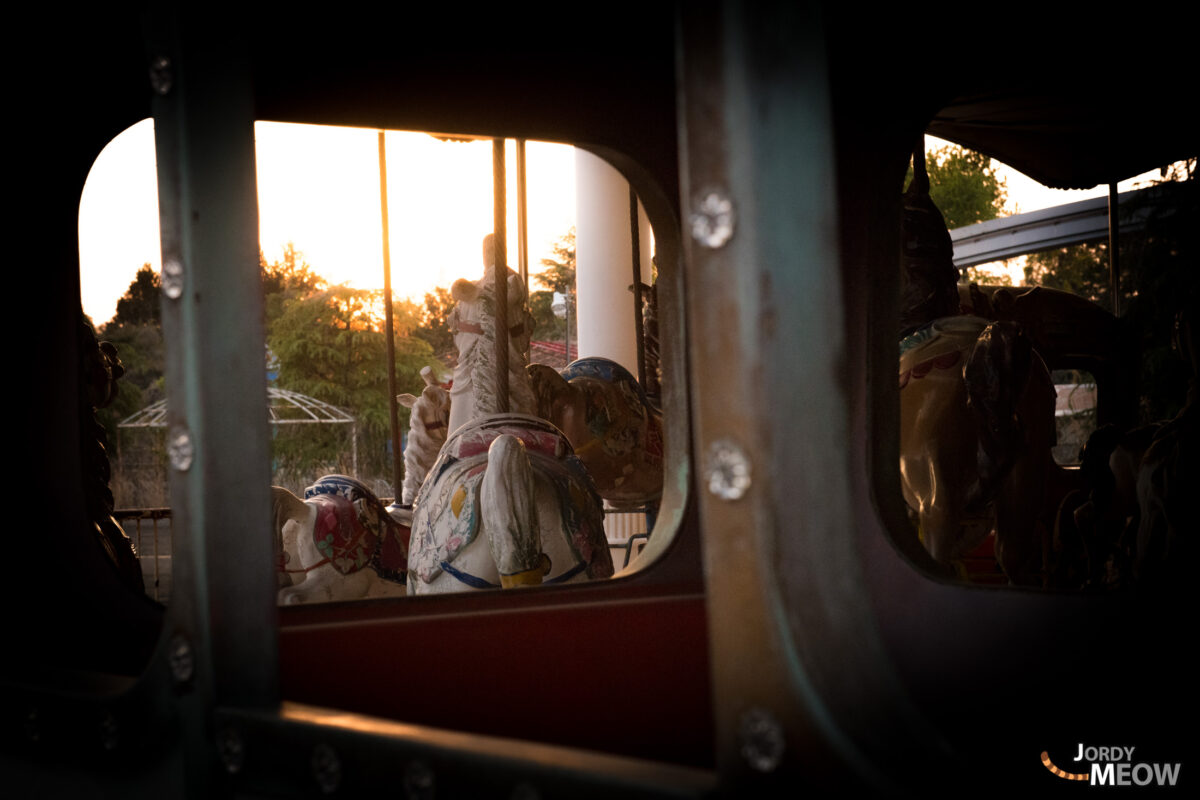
<point x="1032" y="395"/>
<point x="582" y="331"/>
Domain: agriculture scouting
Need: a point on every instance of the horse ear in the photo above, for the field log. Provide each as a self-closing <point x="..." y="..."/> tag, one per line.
<point x="406" y="400"/>
<point x="464" y="291"/>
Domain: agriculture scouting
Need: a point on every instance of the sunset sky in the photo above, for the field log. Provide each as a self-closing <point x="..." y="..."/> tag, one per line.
<point x="319" y="188"/>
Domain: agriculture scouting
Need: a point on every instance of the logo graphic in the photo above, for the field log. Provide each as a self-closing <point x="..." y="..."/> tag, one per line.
<point x="1114" y="766"/>
<point x="1071" y="776"/>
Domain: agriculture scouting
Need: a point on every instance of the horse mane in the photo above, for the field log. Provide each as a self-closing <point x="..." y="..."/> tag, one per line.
<point x="481" y="357"/>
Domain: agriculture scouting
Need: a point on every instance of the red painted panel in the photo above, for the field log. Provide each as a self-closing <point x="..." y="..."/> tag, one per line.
<point x="629" y="676"/>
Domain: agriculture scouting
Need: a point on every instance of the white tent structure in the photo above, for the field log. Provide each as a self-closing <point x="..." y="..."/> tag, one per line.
<point x="283" y="408"/>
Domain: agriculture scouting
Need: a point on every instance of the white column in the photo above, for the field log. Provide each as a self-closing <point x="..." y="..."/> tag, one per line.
<point x="603" y="268"/>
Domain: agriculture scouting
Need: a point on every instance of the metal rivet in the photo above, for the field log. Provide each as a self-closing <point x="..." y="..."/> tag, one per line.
<point x="761" y="738"/>
<point x="172" y="278"/>
<point x="728" y="470"/>
<point x="179" y="656"/>
<point x="33" y="727"/>
<point x="180" y="450"/>
<point x="418" y="781"/>
<point x="712" y="219"/>
<point x="160" y="74"/>
<point x="525" y="791"/>
<point x="326" y="768"/>
<point x="232" y="749"/>
<point x="108" y="732"/>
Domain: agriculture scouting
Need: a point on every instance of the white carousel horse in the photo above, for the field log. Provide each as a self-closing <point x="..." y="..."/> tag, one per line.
<point x="474" y="393"/>
<point x="507" y="504"/>
<point x="337" y="544"/>
<point x="614" y="429"/>
<point x="426" y="433"/>
<point x="509" y="480"/>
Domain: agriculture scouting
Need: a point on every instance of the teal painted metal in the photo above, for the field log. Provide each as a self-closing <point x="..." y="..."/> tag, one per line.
<point x="204" y="133"/>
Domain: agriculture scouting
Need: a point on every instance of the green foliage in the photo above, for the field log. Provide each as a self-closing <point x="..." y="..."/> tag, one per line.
<point x="136" y="331"/>
<point x="559" y="272"/>
<point x="1081" y="269"/>
<point x="331" y="345"/>
<point x="963" y="185"/>
<point x="286" y="279"/>
<point x="141" y="304"/>
<point x="433" y="328"/>
<point x="558" y="276"/>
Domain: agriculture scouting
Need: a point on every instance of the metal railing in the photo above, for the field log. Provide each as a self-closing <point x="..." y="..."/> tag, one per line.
<point x="153" y="544"/>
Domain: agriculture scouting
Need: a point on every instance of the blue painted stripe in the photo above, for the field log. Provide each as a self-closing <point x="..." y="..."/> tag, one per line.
<point x="469" y="580"/>
<point x="571" y="573"/>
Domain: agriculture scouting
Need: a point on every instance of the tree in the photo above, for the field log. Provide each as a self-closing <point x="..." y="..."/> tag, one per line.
<point x="558" y="276"/>
<point x="1080" y="269"/>
<point x="331" y="345"/>
<point x="136" y="331"/>
<point x="434" y="328"/>
<point x="559" y="272"/>
<point x="142" y="302"/>
<point x="963" y="185"/>
<point x="1157" y="278"/>
<point x="285" y="280"/>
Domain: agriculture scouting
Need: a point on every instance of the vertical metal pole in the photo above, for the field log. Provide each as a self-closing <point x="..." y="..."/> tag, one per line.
<point x="154" y="532"/>
<point x="500" y="273"/>
<point x="1114" y="261"/>
<point x="638" y="326"/>
<point x="393" y="411"/>
<point x="522" y="217"/>
<point x="224" y="614"/>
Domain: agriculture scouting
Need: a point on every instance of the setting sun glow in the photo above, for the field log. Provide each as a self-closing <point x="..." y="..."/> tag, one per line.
<point x="318" y="187"/>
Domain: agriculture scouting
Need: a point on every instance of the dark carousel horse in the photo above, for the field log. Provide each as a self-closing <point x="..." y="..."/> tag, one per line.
<point x="976" y="408"/>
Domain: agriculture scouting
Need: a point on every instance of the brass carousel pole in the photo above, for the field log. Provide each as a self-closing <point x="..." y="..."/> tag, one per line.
<point x="393" y="411"/>
<point x="500" y="275"/>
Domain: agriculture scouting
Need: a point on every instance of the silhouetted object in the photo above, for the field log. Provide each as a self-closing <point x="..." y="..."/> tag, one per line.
<point x="976" y="408"/>
<point x="1170" y="476"/>
<point x="99" y="370"/>
<point x="928" y="277"/>
<point x="650" y="343"/>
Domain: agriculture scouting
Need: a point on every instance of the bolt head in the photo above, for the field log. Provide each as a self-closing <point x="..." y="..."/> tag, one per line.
<point x="761" y="738"/>
<point x="418" y="781"/>
<point x="326" y="768"/>
<point x="180" y="450"/>
<point x="712" y="219"/>
<point x="160" y="74"/>
<point x="172" y="279"/>
<point x="727" y="471"/>
<point x="181" y="659"/>
<point x="232" y="749"/>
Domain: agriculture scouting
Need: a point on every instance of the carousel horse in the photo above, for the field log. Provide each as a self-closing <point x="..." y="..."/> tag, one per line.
<point x="976" y="409"/>
<point x="507" y="503"/>
<point x="610" y="423"/>
<point x="426" y="433"/>
<point x="99" y="370"/>
<point x="337" y="544"/>
<point x="1170" y="473"/>
<point x="475" y="381"/>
